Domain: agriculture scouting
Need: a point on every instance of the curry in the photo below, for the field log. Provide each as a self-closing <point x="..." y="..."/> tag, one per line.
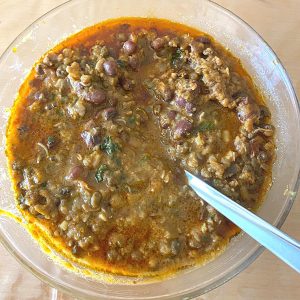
<point x="106" y="123"/>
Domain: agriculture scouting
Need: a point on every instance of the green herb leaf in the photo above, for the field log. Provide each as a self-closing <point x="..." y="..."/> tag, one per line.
<point x="205" y="239"/>
<point x="43" y="184"/>
<point x="51" y="141"/>
<point x="131" y="120"/>
<point x="176" y="57"/>
<point x="100" y="173"/>
<point x="108" y="146"/>
<point x="122" y="63"/>
<point x="205" y="126"/>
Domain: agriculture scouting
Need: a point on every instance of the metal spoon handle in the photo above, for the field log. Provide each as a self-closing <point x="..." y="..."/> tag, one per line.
<point x="283" y="246"/>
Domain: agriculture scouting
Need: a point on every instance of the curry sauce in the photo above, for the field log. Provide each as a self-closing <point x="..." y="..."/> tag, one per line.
<point x="101" y="133"/>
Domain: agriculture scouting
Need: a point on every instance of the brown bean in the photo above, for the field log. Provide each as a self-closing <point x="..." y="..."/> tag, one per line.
<point x="181" y="102"/>
<point x="247" y="109"/>
<point x="36" y="83"/>
<point x="182" y="128"/>
<point x="129" y="47"/>
<point x="40" y="69"/>
<point x="158" y="43"/>
<point x="109" y="113"/>
<point x="255" y="145"/>
<point x="110" y="67"/>
<point x="90" y="140"/>
<point x="75" y="172"/>
<point x="133" y="62"/>
<point x="189" y="107"/>
<point x="203" y="39"/>
<point x="231" y="171"/>
<point x="95" y="96"/>
<point x="172" y="114"/>
<point x="127" y="84"/>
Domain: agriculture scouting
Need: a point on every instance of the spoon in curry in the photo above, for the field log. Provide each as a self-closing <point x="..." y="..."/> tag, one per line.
<point x="279" y="243"/>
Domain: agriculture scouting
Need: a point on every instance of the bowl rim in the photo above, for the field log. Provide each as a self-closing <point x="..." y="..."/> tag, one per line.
<point x="258" y="249"/>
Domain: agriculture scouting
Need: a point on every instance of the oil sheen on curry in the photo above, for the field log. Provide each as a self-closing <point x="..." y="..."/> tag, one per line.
<point x="103" y="128"/>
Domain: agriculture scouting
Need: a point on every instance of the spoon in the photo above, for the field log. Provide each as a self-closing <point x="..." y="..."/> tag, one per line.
<point x="279" y="243"/>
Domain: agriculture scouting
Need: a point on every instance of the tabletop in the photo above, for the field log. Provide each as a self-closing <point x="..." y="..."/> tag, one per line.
<point x="278" y="22"/>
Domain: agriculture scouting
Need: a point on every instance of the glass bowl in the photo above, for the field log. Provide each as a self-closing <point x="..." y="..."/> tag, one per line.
<point x="269" y="75"/>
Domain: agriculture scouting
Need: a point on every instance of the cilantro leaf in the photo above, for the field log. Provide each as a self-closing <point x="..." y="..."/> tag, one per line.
<point x="176" y="57"/>
<point x="100" y="173"/>
<point x="205" y="126"/>
<point x="122" y="63"/>
<point x="109" y="146"/>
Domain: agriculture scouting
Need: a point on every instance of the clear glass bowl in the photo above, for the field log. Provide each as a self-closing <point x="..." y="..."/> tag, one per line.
<point x="261" y="63"/>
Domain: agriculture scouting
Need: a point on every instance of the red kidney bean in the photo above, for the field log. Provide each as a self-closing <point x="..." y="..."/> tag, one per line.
<point x="110" y="67"/>
<point x="126" y="84"/>
<point x="90" y="140"/>
<point x="172" y="114"/>
<point x="109" y="113"/>
<point x="231" y="170"/>
<point x="203" y="39"/>
<point x="129" y="47"/>
<point x="189" y="107"/>
<point x="247" y="109"/>
<point x="36" y="83"/>
<point x="158" y="43"/>
<point x="181" y="102"/>
<point x="182" y="128"/>
<point x="75" y="172"/>
<point x="40" y="69"/>
<point x="95" y="96"/>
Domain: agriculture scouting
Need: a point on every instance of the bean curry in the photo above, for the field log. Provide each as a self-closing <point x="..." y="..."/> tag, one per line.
<point x="106" y="123"/>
